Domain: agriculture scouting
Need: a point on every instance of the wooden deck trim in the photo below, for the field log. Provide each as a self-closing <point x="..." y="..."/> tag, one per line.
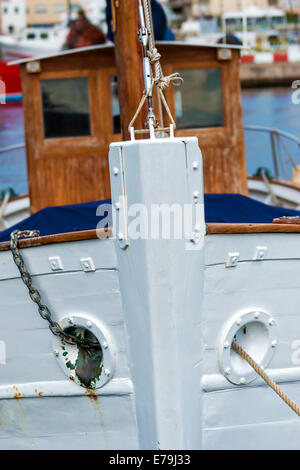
<point x="223" y="228"/>
<point x="60" y="238"/>
<point x="212" y="229"/>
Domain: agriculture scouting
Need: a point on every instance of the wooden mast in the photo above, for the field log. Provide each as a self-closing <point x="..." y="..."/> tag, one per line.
<point x="128" y="53"/>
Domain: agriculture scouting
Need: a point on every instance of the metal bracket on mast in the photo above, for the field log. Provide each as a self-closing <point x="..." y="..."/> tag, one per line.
<point x="148" y="78"/>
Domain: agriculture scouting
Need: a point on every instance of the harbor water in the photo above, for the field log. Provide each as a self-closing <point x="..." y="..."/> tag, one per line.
<point x="269" y="107"/>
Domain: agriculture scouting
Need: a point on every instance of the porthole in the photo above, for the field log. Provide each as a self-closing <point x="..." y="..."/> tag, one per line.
<point x="255" y="331"/>
<point x="89" y="367"/>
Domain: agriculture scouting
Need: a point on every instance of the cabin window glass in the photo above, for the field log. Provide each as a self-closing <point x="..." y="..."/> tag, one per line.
<point x="66" y="107"/>
<point x="199" y="102"/>
<point x="115" y="105"/>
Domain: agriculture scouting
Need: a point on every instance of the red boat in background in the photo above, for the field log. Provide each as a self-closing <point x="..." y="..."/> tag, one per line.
<point x="10" y="75"/>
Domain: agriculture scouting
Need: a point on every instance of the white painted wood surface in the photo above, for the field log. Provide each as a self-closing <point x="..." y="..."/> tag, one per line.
<point x="40" y="407"/>
<point x="252" y="417"/>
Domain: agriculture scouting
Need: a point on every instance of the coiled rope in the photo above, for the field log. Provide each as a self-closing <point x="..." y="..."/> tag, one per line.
<point x="240" y="351"/>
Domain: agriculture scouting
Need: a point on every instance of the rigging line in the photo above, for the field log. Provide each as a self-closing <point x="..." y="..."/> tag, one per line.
<point x="240" y="351"/>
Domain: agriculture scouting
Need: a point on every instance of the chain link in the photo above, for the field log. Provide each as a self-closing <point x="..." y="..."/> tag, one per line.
<point x="35" y="296"/>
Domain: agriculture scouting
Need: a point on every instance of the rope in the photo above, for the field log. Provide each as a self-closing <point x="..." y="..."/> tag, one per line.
<point x="160" y="81"/>
<point x="265" y="377"/>
<point x="275" y="201"/>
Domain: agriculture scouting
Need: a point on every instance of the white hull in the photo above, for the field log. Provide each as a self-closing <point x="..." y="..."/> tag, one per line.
<point x="275" y="193"/>
<point x="15" y="211"/>
<point x="37" y="45"/>
<point x="42" y="409"/>
<point x="161" y="310"/>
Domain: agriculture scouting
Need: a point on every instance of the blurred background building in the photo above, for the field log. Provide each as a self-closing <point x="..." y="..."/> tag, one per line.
<point x="15" y="15"/>
<point x="12" y="16"/>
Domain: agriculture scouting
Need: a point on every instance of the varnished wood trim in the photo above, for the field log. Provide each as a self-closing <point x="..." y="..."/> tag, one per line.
<point x="221" y="228"/>
<point x="61" y="238"/>
<point x="286" y="220"/>
<point x="212" y="229"/>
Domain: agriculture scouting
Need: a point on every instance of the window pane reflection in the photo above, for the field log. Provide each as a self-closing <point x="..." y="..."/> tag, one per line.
<point x="66" y="108"/>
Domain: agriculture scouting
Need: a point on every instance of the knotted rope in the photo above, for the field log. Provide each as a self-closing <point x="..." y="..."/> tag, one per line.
<point x="240" y="351"/>
<point x="160" y="81"/>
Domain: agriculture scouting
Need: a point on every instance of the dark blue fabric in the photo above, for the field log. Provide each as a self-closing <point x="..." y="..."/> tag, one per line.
<point x="62" y="219"/>
<point x="231" y="208"/>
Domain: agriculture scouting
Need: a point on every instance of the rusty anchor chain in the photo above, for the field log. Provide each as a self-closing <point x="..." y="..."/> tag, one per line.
<point x="35" y="295"/>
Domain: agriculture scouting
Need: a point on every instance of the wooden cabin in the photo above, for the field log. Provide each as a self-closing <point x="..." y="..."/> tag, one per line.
<point x="71" y="114"/>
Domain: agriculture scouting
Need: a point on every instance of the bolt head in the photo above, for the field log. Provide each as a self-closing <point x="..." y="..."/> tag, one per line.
<point x="196" y="194"/>
<point x="227" y="371"/>
<point x="89" y="324"/>
<point x="56" y="353"/>
<point x="116" y="171"/>
<point x="104" y="345"/>
<point x="274" y="343"/>
<point x="120" y="236"/>
<point x="271" y="322"/>
<point x="242" y="380"/>
<point x="107" y="372"/>
<point x="195" y="165"/>
<point x="239" y="322"/>
<point x="226" y="345"/>
<point x="256" y="315"/>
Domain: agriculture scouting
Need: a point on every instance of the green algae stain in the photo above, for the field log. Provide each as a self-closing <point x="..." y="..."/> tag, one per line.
<point x="70" y="365"/>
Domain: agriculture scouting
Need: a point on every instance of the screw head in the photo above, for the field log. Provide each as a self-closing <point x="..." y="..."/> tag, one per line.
<point x="195" y="165"/>
<point x="104" y="345"/>
<point x="274" y="343"/>
<point x="116" y="171"/>
<point x="107" y="372"/>
<point x="120" y="236"/>
<point x="118" y="205"/>
<point x="89" y="324"/>
<point x="196" y="194"/>
<point x="226" y="345"/>
<point x="239" y="322"/>
<point x="56" y="353"/>
<point x="242" y="380"/>
<point x="227" y="371"/>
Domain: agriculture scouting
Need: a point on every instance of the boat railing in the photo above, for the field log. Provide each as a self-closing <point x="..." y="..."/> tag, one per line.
<point x="11" y="148"/>
<point x="279" y="149"/>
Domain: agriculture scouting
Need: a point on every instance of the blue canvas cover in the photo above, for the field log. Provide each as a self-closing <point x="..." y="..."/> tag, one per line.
<point x="227" y="208"/>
